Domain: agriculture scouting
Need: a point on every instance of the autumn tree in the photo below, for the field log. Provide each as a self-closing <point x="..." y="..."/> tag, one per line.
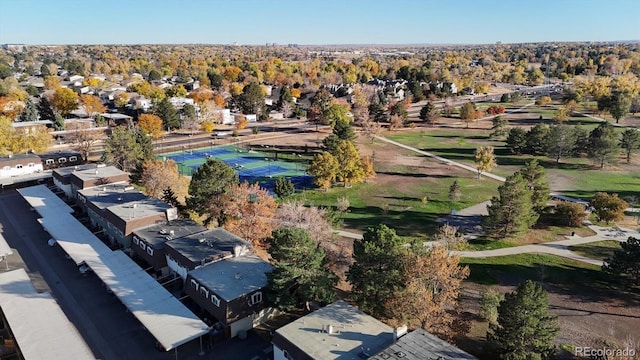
<point x="349" y="165"/>
<point x="241" y="123"/>
<point x="324" y="169"/>
<point x="603" y="144"/>
<point x="469" y="112"/>
<point x="313" y="219"/>
<point x="511" y="212"/>
<point x="630" y="142"/>
<point x="209" y="188"/>
<point x="64" y="101"/>
<point x="300" y="275"/>
<point x="376" y="274"/>
<point x="429" y="113"/>
<point x="495" y="110"/>
<point x="371" y="128"/>
<point x="485" y="159"/>
<point x="158" y="176"/>
<point x="524" y="328"/>
<point x="396" y="122"/>
<point x="121" y="100"/>
<point x="367" y="167"/>
<point x="176" y="91"/>
<point x="250" y="210"/>
<point x="433" y="280"/>
<point x="150" y="124"/>
<point x="543" y="100"/>
<point x="570" y="213"/>
<point x="83" y="139"/>
<point x="608" y="207"/>
<point x="92" y="105"/>
<point x="449" y="237"/>
<point x="625" y="263"/>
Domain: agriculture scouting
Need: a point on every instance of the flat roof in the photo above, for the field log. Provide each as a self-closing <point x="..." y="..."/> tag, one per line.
<point x="353" y="331"/>
<point x="19" y="157"/>
<point x="68" y="170"/>
<point x="164" y="316"/>
<point x="39" y="326"/>
<point x="158" y="234"/>
<point x="137" y="209"/>
<point x="233" y="277"/>
<point x="5" y="249"/>
<point x="207" y="245"/>
<point x="418" y="345"/>
<point x="99" y="172"/>
<point x="104" y="196"/>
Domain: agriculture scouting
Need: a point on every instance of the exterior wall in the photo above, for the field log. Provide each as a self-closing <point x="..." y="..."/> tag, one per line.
<point x="154" y="257"/>
<point x="284" y="350"/>
<point x="53" y="161"/>
<point x="203" y="297"/>
<point x="25" y="167"/>
<point x="179" y="259"/>
<point x="175" y="267"/>
<point x="79" y="183"/>
<point x="63" y="185"/>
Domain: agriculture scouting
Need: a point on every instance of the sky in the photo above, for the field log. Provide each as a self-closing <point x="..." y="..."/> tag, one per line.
<point x="317" y="22"/>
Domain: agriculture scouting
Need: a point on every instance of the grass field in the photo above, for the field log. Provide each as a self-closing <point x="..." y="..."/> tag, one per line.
<point x="599" y="250"/>
<point x="513" y="269"/>
<point x="572" y="176"/>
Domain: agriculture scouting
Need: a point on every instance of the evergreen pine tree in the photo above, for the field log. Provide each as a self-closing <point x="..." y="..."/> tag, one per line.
<point x="524" y="329"/>
<point x="511" y="212"/>
<point x="30" y="112"/>
<point x="168" y="113"/>
<point x="283" y="187"/>
<point x="536" y="178"/>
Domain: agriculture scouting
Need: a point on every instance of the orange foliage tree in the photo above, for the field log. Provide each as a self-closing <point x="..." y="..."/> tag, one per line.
<point x="250" y="211"/>
<point x="92" y="104"/>
<point x="151" y="125"/>
<point x="158" y="175"/>
<point x="242" y="123"/>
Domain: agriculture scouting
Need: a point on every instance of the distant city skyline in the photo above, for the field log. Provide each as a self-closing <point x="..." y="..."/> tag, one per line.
<point x="326" y="22"/>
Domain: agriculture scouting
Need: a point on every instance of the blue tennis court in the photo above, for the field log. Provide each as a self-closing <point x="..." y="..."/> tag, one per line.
<point x="241" y="161"/>
<point x="263" y="171"/>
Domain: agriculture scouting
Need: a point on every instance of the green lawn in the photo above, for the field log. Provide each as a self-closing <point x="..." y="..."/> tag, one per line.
<point x="599" y="250"/>
<point x="580" y="178"/>
<point x="551" y="269"/>
<point x="402" y="207"/>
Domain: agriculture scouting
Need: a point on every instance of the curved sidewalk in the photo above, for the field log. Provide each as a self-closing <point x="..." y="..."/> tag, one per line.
<point x="559" y="248"/>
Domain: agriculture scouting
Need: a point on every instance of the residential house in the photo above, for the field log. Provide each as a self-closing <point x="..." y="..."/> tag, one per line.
<point x="58" y="159"/>
<point x="337" y="331"/>
<point x="118" y="213"/>
<point x="195" y="250"/>
<point x="419" y="345"/>
<point x="231" y="291"/>
<point x="84" y="178"/>
<point x="148" y="242"/>
<point x="62" y="176"/>
<point x="19" y="164"/>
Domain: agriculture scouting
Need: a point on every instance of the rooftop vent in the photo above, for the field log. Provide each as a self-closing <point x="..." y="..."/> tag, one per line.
<point x="172" y="233"/>
<point x="163" y="231"/>
<point x="201" y="241"/>
<point x="238" y="276"/>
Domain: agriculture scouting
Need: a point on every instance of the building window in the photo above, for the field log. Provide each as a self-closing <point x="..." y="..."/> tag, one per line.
<point x="150" y="250"/>
<point x="31" y="164"/>
<point x="62" y="160"/>
<point x="215" y="300"/>
<point x="143" y="246"/>
<point x="204" y="291"/>
<point x="256" y="298"/>
<point x="286" y="355"/>
<point x="135" y="239"/>
<point x="73" y="158"/>
<point x="49" y="161"/>
<point x="194" y="284"/>
<point x="19" y="166"/>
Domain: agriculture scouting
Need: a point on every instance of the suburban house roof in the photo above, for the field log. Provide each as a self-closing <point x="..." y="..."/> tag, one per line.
<point x="418" y="345"/>
<point x="15" y="159"/>
<point x="104" y="196"/>
<point x="208" y="245"/>
<point x="140" y="208"/>
<point x="37" y="322"/>
<point x="158" y="234"/>
<point x="352" y="335"/>
<point x="233" y="277"/>
<point x="98" y="172"/>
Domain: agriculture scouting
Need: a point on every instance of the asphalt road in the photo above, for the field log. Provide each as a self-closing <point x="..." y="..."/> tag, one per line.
<point x="109" y="330"/>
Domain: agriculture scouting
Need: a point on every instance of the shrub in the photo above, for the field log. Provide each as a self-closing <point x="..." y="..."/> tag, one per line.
<point x="570" y="214"/>
<point x="489" y="302"/>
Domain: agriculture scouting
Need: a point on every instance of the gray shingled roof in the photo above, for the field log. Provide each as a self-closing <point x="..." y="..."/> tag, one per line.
<point x="421" y="345"/>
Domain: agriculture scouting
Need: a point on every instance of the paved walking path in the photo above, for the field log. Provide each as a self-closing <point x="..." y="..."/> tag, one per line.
<point x="559" y="248"/>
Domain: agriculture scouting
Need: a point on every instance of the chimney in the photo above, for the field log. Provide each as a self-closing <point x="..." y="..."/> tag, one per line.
<point x="329" y="329"/>
<point x="399" y="332"/>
